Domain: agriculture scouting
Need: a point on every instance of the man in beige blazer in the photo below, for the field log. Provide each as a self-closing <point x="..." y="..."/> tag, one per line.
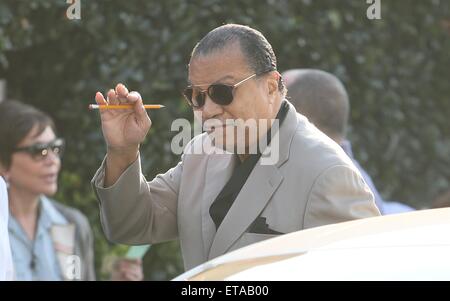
<point x="215" y="203"/>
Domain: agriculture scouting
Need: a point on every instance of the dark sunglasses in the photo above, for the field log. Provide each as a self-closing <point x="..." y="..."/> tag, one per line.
<point x="221" y="94"/>
<point x="40" y="151"/>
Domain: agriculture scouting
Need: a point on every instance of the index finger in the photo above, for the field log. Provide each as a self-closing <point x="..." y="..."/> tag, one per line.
<point x="99" y="99"/>
<point x="122" y="91"/>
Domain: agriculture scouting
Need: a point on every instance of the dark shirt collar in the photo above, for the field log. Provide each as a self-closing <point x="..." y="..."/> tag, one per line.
<point x="223" y="202"/>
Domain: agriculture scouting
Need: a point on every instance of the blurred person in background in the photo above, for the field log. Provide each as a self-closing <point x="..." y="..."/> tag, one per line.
<point x="323" y="99"/>
<point x="49" y="241"/>
<point x="442" y="200"/>
<point x="6" y="270"/>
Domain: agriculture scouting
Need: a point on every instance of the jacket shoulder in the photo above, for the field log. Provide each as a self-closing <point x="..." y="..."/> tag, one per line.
<point x="314" y="151"/>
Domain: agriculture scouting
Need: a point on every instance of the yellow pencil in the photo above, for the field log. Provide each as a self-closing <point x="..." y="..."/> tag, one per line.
<point x="108" y="107"/>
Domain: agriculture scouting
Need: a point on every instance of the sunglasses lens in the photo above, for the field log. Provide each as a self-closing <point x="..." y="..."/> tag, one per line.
<point x="199" y="100"/>
<point x="221" y="94"/>
<point x="58" y="150"/>
<point x="195" y="99"/>
<point x="187" y="93"/>
<point x="39" y="152"/>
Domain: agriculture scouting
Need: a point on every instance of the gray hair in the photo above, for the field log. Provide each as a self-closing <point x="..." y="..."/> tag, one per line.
<point x="256" y="49"/>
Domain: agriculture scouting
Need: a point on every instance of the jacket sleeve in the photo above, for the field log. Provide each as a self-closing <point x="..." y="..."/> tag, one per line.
<point x="339" y="194"/>
<point x="134" y="211"/>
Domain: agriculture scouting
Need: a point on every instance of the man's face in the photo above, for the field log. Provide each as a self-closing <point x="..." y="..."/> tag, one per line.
<point x="252" y="101"/>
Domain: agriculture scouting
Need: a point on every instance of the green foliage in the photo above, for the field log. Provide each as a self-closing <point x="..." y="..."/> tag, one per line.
<point x="396" y="71"/>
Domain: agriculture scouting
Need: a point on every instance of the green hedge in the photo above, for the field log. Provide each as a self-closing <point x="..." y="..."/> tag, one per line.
<point x="396" y="70"/>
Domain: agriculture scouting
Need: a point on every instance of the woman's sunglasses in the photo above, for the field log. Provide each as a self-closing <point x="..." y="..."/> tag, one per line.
<point x="221" y="94"/>
<point x="40" y="151"/>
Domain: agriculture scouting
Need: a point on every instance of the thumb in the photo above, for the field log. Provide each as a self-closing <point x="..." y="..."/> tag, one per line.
<point x="141" y="113"/>
<point x="139" y="108"/>
<point x="135" y="97"/>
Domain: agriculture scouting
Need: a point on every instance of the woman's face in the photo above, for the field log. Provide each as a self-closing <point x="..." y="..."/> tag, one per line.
<point x="35" y="174"/>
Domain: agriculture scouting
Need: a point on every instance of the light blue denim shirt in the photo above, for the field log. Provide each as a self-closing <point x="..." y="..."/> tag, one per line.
<point x="46" y="266"/>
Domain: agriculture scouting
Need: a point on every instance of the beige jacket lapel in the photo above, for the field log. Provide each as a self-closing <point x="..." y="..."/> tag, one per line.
<point x="218" y="172"/>
<point x="252" y="199"/>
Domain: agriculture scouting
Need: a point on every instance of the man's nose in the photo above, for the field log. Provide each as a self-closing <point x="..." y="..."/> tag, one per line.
<point x="210" y="108"/>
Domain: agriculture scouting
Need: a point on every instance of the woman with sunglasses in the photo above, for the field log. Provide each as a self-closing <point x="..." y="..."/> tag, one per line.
<point x="49" y="241"/>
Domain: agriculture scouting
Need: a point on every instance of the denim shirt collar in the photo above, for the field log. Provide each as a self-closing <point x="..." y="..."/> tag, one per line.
<point x="48" y="216"/>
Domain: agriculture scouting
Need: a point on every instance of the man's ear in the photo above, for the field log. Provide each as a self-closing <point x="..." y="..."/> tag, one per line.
<point x="272" y="85"/>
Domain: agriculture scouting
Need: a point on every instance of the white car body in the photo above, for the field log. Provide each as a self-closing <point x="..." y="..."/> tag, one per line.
<point x="408" y="246"/>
